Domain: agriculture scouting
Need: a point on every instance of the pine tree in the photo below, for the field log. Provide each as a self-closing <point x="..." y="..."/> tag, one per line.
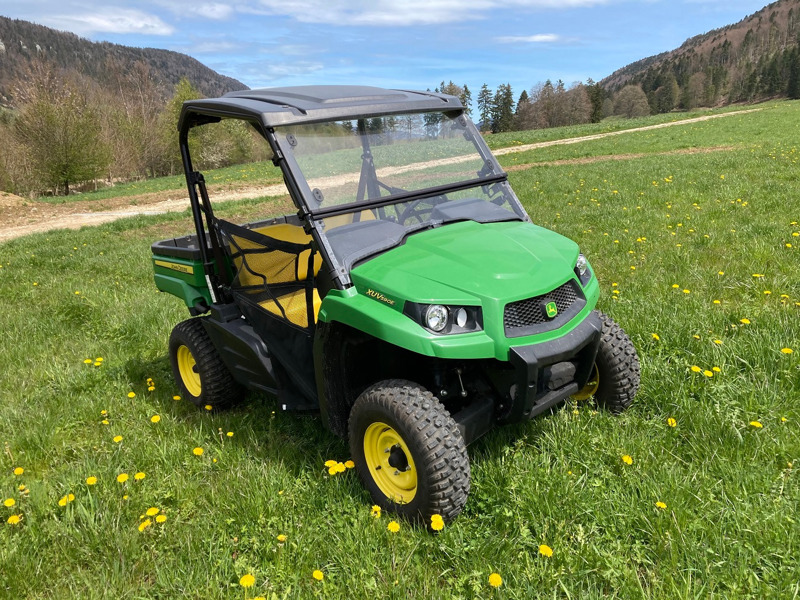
<point x="485" y="108"/>
<point x="466" y="100"/>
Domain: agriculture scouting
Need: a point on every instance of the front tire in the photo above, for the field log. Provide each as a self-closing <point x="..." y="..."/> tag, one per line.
<point x="201" y="375"/>
<point x="615" y="377"/>
<point x="409" y="451"/>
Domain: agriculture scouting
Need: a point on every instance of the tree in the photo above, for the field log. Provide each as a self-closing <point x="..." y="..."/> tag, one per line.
<point x="503" y="109"/>
<point x="597" y="96"/>
<point x="59" y="129"/>
<point x="466" y="100"/>
<point x="523" y="100"/>
<point x="631" y="102"/>
<point x="168" y="120"/>
<point x="793" y="89"/>
<point x="485" y="107"/>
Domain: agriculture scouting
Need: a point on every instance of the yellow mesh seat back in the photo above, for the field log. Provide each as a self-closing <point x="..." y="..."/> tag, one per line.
<point x="274" y="266"/>
<point x="346" y="219"/>
<point x="296" y="235"/>
<point x="294" y="305"/>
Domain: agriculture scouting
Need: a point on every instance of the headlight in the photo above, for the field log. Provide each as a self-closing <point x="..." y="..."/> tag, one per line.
<point x="442" y="319"/>
<point x="582" y="269"/>
<point x="436" y="317"/>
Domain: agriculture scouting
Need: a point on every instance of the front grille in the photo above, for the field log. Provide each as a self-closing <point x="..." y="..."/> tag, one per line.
<point x="529" y="316"/>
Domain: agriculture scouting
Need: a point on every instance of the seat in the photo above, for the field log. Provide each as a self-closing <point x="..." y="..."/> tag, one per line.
<point x="294" y="305"/>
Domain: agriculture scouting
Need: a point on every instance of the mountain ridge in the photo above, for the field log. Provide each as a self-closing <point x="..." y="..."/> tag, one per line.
<point x="23" y="42"/>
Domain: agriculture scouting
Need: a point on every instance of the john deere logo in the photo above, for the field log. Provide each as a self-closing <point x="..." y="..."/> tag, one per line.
<point x="551" y="309"/>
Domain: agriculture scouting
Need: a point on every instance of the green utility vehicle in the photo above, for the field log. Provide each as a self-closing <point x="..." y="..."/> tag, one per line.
<point x="410" y="300"/>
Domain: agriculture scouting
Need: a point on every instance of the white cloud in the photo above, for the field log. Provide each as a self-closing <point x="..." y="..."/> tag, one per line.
<point x="539" y="38"/>
<point x="110" y="21"/>
<point x="213" y="11"/>
<point x="405" y="12"/>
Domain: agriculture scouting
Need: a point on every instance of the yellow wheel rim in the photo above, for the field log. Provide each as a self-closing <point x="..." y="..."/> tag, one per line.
<point x="390" y="463"/>
<point x="590" y="389"/>
<point x="187" y="369"/>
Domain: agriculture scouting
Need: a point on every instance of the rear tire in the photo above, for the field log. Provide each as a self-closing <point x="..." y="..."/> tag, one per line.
<point x="409" y="451"/>
<point x="201" y="375"/>
<point x="617" y="368"/>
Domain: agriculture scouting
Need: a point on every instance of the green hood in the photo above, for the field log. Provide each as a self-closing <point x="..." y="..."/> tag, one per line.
<point x="464" y="262"/>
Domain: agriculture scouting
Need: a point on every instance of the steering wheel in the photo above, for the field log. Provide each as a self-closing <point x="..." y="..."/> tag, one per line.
<point x="414" y="210"/>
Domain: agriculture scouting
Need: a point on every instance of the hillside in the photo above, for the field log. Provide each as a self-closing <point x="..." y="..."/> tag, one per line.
<point x="22" y="42"/>
<point x="753" y="59"/>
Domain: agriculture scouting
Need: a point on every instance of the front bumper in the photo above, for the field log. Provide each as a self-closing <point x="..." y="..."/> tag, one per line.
<point x="549" y="372"/>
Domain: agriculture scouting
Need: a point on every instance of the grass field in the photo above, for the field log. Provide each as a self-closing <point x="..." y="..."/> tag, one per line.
<point x="695" y="241"/>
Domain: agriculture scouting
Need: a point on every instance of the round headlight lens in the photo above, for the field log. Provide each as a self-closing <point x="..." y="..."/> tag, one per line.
<point x="461" y="317"/>
<point x="581" y="264"/>
<point x="436" y="317"/>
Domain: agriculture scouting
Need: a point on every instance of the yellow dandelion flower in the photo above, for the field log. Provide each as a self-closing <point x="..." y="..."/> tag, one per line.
<point x="655" y="337"/>
<point x="708" y="373"/>
<point x="332" y="470"/>
<point x="145" y="524"/>
<point x="661" y="505"/>
<point x="155" y="419"/>
<point x="103" y="413"/>
<point x="104" y="422"/>
<point x="495" y="580"/>
<point x="9" y="502"/>
<point x="696" y="369"/>
<point x="282" y="538"/>
<point x="675" y="286"/>
<point x="716" y="369"/>
<point x="672" y="422"/>
<point x="330" y="463"/>
<point x="198" y="451"/>
<point x="695" y="336"/>
<point x="88" y="361"/>
<point x="14" y="519"/>
<point x="376" y="511"/>
<point x="19" y="471"/>
<point x="92" y="480"/>
<point x="720" y="272"/>
<point x="437" y="522"/>
<point x="767" y="292"/>
<point x="117" y="439"/>
<point x="208" y="407"/>
<point x="247" y="581"/>
<point x="176" y="398"/>
<point x="687" y="291"/>
<point x="122" y="477"/>
<point x="787" y="350"/>
<point x="393" y="526"/>
<point x="545" y="550"/>
<point x="784" y="419"/>
<point x="744" y="321"/>
<point x="756" y="424"/>
<point x="627" y="459"/>
<point x="161" y="518"/>
<point x="151" y="388"/>
<point x="131" y="394"/>
<point x="229" y="434"/>
<point x="139" y="476"/>
<point x="349" y="464"/>
<point x="152" y="511"/>
<point x="717" y="302"/>
<point x="318" y="575"/>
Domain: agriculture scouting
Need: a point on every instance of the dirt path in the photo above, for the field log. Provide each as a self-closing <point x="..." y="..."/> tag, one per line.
<point x="21" y="217"/>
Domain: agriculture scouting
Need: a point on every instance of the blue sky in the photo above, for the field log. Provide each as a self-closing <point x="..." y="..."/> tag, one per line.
<point x="411" y="44"/>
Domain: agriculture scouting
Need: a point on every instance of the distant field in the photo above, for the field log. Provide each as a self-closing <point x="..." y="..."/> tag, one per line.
<point x="694" y="238"/>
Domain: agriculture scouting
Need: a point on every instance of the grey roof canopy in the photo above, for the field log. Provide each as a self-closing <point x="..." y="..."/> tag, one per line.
<point x="306" y="104"/>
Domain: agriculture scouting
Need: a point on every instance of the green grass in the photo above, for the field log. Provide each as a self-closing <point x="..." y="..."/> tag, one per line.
<point x="733" y="500"/>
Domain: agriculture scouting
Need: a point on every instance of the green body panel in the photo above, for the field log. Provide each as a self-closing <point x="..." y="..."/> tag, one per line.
<point x="182" y="278"/>
<point x="468" y="263"/>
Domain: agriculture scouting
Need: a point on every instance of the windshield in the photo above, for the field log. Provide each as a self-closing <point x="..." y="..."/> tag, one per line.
<point x="370" y="182"/>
